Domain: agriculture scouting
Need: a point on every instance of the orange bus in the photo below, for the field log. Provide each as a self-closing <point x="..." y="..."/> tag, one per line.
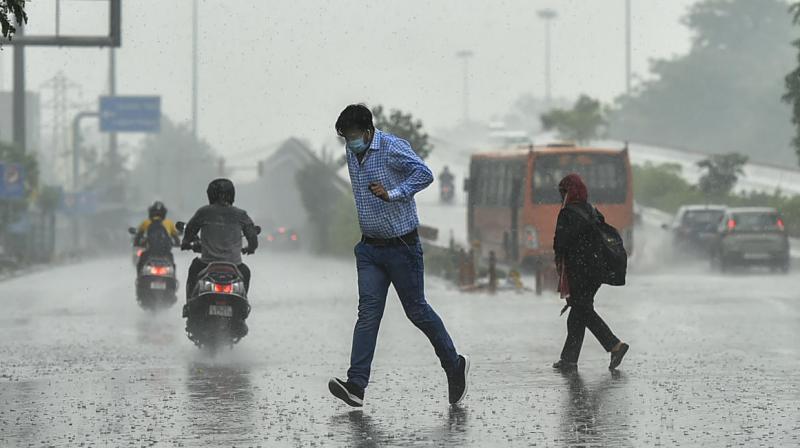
<point x="513" y="200"/>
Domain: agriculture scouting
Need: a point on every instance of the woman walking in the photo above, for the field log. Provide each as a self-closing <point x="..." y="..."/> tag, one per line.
<point x="576" y="247"/>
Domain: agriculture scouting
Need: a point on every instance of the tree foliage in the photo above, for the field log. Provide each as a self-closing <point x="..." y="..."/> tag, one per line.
<point x="724" y="94"/>
<point x="15" y="8"/>
<point x="582" y="123"/>
<point x="722" y="171"/>
<point x="11" y="153"/>
<point x="173" y="167"/>
<point x="792" y="84"/>
<point x="404" y="126"/>
<point x="320" y="201"/>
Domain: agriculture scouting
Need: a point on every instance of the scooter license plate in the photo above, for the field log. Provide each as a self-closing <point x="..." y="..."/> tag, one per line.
<point x="220" y="310"/>
<point x="161" y="285"/>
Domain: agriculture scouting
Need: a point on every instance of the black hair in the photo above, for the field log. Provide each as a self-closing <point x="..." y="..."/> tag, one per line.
<point x="354" y="116"/>
<point x="221" y="191"/>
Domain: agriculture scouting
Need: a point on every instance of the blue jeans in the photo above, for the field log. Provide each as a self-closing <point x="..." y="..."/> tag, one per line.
<point x="401" y="266"/>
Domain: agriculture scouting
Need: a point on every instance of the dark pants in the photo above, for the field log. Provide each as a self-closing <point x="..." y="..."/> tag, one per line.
<point x="401" y="266"/>
<point x="198" y="265"/>
<point x="582" y="316"/>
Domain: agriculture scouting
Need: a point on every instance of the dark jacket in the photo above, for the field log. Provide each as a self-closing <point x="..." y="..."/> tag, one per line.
<point x="221" y="228"/>
<point x="575" y="242"/>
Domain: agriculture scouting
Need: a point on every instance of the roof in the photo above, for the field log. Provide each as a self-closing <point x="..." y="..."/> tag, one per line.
<point x="523" y="151"/>
<point x="752" y="210"/>
<point x="693" y="207"/>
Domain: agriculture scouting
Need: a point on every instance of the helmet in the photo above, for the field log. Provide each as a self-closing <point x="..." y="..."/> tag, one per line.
<point x="157" y="210"/>
<point x="221" y="190"/>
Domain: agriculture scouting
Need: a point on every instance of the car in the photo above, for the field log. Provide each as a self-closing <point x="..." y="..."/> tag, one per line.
<point x="694" y="227"/>
<point x="749" y="236"/>
<point x="283" y="238"/>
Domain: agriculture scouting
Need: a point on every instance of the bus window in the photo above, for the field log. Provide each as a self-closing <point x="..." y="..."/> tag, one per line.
<point x="604" y="174"/>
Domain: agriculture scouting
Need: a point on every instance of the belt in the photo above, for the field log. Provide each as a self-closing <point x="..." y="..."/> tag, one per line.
<point x="408" y="239"/>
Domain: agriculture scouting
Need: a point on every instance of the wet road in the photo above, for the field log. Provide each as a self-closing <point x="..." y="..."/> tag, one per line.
<point x="714" y="362"/>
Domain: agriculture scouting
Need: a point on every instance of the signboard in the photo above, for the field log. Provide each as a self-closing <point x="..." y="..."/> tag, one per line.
<point x="12" y="181"/>
<point x="130" y="114"/>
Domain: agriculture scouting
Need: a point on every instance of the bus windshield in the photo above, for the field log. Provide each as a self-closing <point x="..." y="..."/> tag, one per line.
<point x="605" y="176"/>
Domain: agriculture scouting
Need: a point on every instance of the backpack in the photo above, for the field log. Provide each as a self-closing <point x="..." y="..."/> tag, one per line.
<point x="612" y="257"/>
<point x="158" y="240"/>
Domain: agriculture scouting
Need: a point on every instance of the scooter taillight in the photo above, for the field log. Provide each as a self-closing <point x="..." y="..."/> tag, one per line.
<point x="225" y="289"/>
<point x="139" y="252"/>
<point x="159" y="270"/>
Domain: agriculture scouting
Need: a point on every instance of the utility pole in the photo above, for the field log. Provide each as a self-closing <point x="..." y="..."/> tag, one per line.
<point x="112" y="91"/>
<point x="465" y="55"/>
<point x="194" y="68"/>
<point x="19" y="92"/>
<point x="547" y="15"/>
<point x="628" y="47"/>
<point x="60" y="103"/>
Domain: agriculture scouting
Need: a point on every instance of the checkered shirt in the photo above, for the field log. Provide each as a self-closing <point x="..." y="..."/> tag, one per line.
<point x="390" y="161"/>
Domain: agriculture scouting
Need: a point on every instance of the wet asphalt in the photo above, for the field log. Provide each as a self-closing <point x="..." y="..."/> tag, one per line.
<point x="713" y="362"/>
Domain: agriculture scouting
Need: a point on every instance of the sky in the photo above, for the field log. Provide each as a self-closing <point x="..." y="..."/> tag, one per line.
<point x="272" y="69"/>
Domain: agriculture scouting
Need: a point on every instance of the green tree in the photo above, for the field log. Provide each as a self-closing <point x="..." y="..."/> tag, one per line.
<point x="173" y="167"/>
<point x="321" y="201"/>
<point x="582" y="123"/>
<point x="11" y="153"/>
<point x="724" y="94"/>
<point x="722" y="171"/>
<point x="404" y="126"/>
<point x="792" y="83"/>
<point x="14" y="8"/>
<point x="12" y="209"/>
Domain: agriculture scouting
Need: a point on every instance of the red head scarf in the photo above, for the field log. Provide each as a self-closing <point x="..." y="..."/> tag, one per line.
<point x="576" y="189"/>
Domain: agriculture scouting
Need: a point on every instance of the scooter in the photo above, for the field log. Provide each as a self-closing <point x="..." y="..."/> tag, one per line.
<point x="218" y="307"/>
<point x="446" y="193"/>
<point x="156" y="282"/>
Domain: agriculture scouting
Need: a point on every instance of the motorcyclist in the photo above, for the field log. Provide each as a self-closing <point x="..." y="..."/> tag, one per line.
<point x="221" y="226"/>
<point x="157" y="216"/>
<point x="446" y="180"/>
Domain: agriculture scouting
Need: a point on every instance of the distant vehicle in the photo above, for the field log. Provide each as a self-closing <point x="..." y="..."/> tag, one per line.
<point x="694" y="227"/>
<point x="514" y="200"/>
<point x="156" y="282"/>
<point x="751" y="236"/>
<point x="283" y="238"/>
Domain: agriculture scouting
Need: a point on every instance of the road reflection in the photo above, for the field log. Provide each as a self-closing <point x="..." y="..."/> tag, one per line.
<point x="363" y="431"/>
<point x="220" y="401"/>
<point x="592" y="417"/>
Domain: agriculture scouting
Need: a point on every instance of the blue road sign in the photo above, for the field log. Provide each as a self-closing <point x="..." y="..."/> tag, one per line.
<point x="12" y="181"/>
<point x="130" y="113"/>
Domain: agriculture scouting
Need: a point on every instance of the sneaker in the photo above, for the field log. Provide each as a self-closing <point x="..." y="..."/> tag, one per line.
<point x="616" y="356"/>
<point x="457" y="383"/>
<point x="347" y="392"/>
<point x="565" y="366"/>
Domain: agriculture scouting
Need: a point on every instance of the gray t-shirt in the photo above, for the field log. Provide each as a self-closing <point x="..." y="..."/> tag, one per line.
<point x="221" y="228"/>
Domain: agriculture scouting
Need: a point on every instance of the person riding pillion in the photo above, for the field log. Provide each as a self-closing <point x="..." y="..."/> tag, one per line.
<point x="385" y="174"/>
<point x="221" y="226"/>
<point x="157" y="234"/>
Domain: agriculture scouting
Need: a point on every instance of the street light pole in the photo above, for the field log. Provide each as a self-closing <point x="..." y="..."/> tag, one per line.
<point x="547" y="15"/>
<point x="465" y="55"/>
<point x="194" y="69"/>
<point x="628" y="47"/>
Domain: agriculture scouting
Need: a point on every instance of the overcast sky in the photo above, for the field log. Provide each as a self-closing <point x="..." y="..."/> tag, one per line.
<point x="271" y="69"/>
